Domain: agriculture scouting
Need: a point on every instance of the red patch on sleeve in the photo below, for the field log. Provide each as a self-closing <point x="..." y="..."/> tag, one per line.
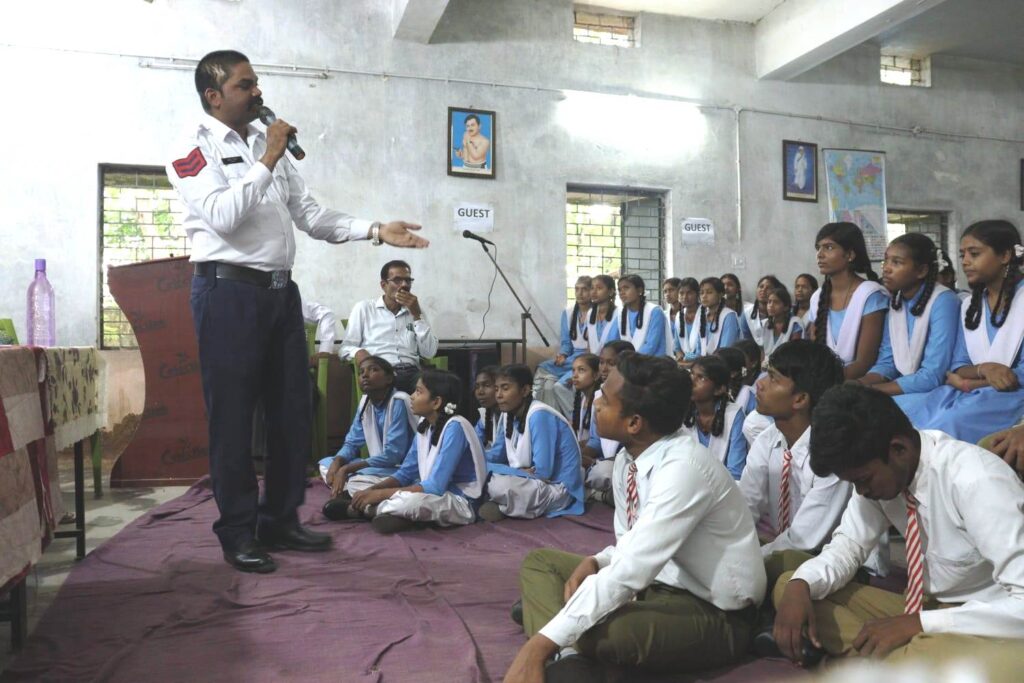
<point x="190" y="165"/>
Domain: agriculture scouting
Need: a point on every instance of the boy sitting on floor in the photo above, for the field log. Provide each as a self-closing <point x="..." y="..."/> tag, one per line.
<point x="962" y="513"/>
<point x="679" y="590"/>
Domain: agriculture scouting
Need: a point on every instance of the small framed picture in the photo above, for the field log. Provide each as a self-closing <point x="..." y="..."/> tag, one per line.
<point x="471" y="142"/>
<point x="799" y="171"/>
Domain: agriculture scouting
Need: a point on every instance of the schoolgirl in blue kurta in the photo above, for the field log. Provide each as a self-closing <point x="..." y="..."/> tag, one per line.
<point x="985" y="393"/>
<point x="717" y="325"/>
<point x="489" y="427"/>
<point x="572" y="339"/>
<point x="686" y="327"/>
<point x="543" y="476"/>
<point x="641" y="323"/>
<point x="921" y="325"/>
<point x="716" y="421"/>
<point x="848" y="311"/>
<point x="602" y="324"/>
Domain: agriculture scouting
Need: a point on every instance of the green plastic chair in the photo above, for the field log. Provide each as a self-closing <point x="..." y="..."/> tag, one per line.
<point x="319" y="447"/>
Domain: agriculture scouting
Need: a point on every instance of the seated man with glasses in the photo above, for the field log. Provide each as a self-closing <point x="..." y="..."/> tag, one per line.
<point x="391" y="327"/>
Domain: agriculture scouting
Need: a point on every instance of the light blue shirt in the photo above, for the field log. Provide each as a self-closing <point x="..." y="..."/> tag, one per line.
<point x="877" y="301"/>
<point x="961" y="358"/>
<point x="396" y="441"/>
<point x="565" y="346"/>
<point x="730" y="332"/>
<point x="943" y="323"/>
<point x="654" y="342"/>
<point x="453" y="465"/>
<point x="736" y="456"/>
<point x="556" y="457"/>
<point x="495" y="451"/>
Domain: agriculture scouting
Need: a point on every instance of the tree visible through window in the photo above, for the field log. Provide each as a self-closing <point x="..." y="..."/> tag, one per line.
<point x="140" y="219"/>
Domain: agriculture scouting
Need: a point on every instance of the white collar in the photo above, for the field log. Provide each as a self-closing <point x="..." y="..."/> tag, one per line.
<point x="379" y="303"/>
<point x="221" y="130"/>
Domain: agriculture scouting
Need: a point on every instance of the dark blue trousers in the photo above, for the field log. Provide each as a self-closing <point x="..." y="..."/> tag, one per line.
<point x="252" y="345"/>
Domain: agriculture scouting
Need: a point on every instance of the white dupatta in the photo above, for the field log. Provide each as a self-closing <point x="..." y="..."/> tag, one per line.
<point x="426" y="455"/>
<point x="709" y="342"/>
<point x="770" y="342"/>
<point x="907" y="349"/>
<point x="845" y="345"/>
<point x="689" y="342"/>
<point x="582" y="332"/>
<point x="375" y="439"/>
<point x="756" y="325"/>
<point x="596" y="341"/>
<point x="637" y="337"/>
<point x="719" y="445"/>
<point x="1004" y="347"/>
<point x="518" y="448"/>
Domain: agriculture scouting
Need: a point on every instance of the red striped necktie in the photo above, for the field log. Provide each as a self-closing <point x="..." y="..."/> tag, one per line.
<point x="784" y="510"/>
<point x="632" y="497"/>
<point x="915" y="562"/>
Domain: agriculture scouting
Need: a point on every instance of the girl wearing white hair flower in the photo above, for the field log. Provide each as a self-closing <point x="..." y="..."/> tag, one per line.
<point x="442" y="478"/>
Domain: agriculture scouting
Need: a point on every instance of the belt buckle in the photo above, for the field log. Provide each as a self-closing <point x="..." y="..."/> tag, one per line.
<point x="278" y="279"/>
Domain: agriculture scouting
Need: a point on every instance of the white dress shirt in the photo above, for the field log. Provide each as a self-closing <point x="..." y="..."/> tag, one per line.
<point x="312" y="312"/>
<point x="693" y="532"/>
<point x="395" y="337"/>
<point x="971" y="520"/>
<point x="816" y="503"/>
<point x="242" y="213"/>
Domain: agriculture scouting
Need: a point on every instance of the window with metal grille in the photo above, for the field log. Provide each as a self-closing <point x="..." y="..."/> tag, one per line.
<point x="897" y="70"/>
<point x="600" y="27"/>
<point x="935" y="224"/>
<point x="614" y="233"/>
<point x="140" y="219"/>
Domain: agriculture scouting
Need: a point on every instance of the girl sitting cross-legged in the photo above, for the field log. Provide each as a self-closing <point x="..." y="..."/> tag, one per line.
<point x="641" y="323"/>
<point x="717" y="324"/>
<point x="712" y="418"/>
<point x="442" y="477"/>
<point x="489" y="428"/>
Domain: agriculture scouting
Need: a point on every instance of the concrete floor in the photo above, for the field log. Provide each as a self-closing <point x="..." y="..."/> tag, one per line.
<point x="104" y="517"/>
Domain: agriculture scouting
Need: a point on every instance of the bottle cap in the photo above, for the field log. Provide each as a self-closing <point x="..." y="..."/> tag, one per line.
<point x="41" y="264"/>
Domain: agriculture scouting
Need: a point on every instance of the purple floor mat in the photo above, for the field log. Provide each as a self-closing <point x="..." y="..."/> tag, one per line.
<point x="158" y="603"/>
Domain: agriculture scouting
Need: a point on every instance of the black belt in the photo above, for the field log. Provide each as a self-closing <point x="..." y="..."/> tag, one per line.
<point x="276" y="279"/>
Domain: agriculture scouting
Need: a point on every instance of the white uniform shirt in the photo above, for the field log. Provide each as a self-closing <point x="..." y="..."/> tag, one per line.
<point x="971" y="521"/>
<point x="323" y="317"/>
<point x="238" y="211"/>
<point x="396" y="338"/>
<point x="693" y="532"/>
<point x="816" y="503"/>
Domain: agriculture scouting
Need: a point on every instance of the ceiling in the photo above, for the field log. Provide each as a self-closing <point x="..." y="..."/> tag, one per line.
<point x="982" y="29"/>
<point x="749" y="11"/>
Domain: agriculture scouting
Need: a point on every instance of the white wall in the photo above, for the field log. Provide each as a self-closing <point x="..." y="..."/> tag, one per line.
<point x="376" y="146"/>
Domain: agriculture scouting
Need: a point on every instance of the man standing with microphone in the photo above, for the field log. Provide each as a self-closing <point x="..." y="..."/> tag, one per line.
<point x="242" y="197"/>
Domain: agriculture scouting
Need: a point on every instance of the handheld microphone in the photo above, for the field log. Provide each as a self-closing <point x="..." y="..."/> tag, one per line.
<point x="268" y="117"/>
<point x="470" y="236"/>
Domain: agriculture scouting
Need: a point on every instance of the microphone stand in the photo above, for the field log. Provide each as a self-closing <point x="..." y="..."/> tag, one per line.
<point x="525" y="315"/>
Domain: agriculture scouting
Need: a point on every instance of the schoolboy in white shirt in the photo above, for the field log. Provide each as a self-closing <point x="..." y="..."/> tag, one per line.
<point x="679" y="589"/>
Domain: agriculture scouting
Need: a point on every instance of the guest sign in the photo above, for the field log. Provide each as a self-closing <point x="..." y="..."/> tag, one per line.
<point x="696" y="231"/>
<point x="474" y="217"/>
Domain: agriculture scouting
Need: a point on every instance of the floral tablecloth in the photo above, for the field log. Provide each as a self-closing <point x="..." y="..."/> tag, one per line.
<point x="49" y="399"/>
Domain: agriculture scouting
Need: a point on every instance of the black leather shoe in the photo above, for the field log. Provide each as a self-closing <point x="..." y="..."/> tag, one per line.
<point x="337" y="508"/>
<point x="765" y="646"/>
<point x="250" y="557"/>
<point x="517" y="612"/>
<point x="392" y="524"/>
<point x="294" y="537"/>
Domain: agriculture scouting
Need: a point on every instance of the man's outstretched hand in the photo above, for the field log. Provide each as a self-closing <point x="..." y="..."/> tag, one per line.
<point x="400" y="234"/>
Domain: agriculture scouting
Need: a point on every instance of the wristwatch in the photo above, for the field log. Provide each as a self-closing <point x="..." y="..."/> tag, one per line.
<point x="375" y="234"/>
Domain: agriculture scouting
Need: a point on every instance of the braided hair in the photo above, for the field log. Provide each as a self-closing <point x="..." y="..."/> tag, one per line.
<point x="578" y="419"/>
<point x="755" y="310"/>
<point x="522" y="376"/>
<point x="447" y="387"/>
<point x="814" y="287"/>
<point x="718" y="286"/>
<point x="388" y="370"/>
<point x="609" y="284"/>
<point x="922" y="251"/>
<point x="738" y="306"/>
<point x="850" y="238"/>
<point x="492" y="372"/>
<point x="1002" y="236"/>
<point x="717" y="371"/>
<point x="637" y="282"/>
<point x="573" y="320"/>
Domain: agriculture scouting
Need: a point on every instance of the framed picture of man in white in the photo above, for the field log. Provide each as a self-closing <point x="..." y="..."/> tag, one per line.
<point x="799" y="171"/>
<point x="471" y="142"/>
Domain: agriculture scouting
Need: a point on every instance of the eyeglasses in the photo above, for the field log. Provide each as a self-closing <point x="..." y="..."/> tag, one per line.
<point x="399" y="281"/>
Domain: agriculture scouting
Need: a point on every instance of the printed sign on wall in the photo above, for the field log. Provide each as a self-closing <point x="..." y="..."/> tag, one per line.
<point x="696" y="231"/>
<point x="473" y="216"/>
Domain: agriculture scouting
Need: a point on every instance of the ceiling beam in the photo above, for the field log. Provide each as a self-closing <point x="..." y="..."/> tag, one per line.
<point x="798" y="35"/>
<point x="416" y="20"/>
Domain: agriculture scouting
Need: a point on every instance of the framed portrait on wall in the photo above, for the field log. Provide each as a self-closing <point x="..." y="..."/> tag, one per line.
<point x="472" y="151"/>
<point x="799" y="171"/>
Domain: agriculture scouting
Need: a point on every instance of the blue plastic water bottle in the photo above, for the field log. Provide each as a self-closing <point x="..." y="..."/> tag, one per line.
<point x="42" y="321"/>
